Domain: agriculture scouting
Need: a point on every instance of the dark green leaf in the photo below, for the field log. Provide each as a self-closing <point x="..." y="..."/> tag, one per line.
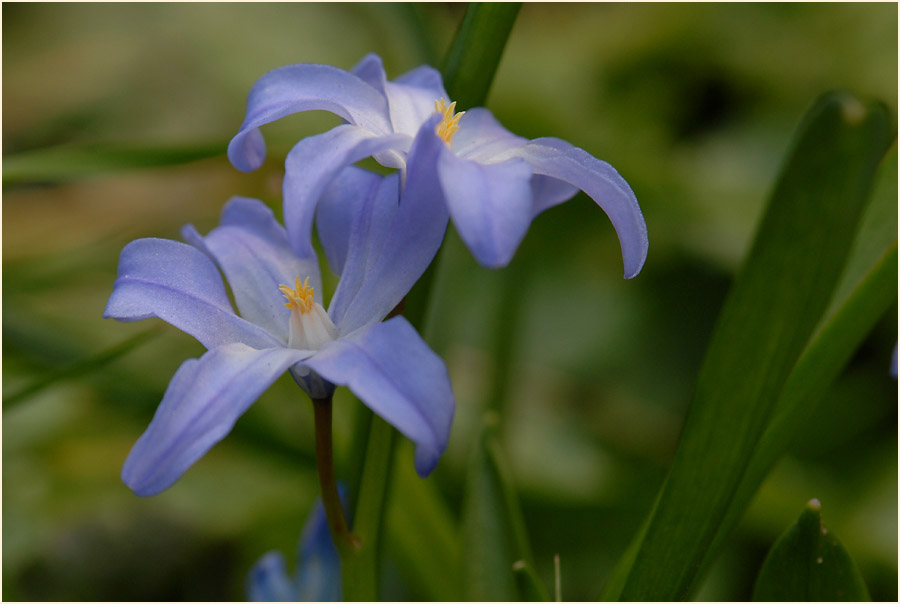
<point x="360" y="569"/>
<point x="58" y="164"/>
<point x="529" y="584"/>
<point x="422" y="533"/>
<point x="809" y="564"/>
<point x="472" y="61"/>
<point x="777" y="300"/>
<point x="494" y="536"/>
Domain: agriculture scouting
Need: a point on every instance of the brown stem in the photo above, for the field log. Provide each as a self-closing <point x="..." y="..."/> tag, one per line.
<point x="331" y="499"/>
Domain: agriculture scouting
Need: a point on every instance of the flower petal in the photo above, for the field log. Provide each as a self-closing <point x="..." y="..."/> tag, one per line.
<point x="338" y="209"/>
<point x="310" y="167"/>
<point x="319" y="565"/>
<point x="180" y="285"/>
<point x="201" y="405"/>
<point x="268" y="580"/>
<point x="548" y="192"/>
<point x="394" y="372"/>
<point x="558" y="159"/>
<point x="482" y="138"/>
<point x="369" y="227"/>
<point x="411" y="98"/>
<point x="392" y="246"/>
<point x="490" y="205"/>
<point x="304" y="87"/>
<point x="252" y="250"/>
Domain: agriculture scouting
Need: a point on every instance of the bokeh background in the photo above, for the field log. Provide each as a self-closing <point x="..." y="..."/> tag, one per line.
<point x="115" y="123"/>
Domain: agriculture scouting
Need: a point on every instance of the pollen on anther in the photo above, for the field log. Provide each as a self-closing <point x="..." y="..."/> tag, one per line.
<point x="450" y="122"/>
<point x="300" y="296"/>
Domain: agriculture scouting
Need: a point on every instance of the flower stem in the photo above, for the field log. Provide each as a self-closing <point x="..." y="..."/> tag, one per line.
<point x="344" y="540"/>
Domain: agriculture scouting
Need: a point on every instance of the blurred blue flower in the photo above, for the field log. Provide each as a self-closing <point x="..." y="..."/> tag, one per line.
<point x="492" y="181"/>
<point x="377" y="246"/>
<point x="317" y="577"/>
<point x="894" y="362"/>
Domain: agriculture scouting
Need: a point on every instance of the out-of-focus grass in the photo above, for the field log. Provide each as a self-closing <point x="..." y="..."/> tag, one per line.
<point x="693" y="104"/>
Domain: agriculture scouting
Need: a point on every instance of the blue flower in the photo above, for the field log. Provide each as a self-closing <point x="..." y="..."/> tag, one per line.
<point x="317" y="577"/>
<point x="894" y="362"/>
<point x="378" y="246"/>
<point x="492" y="181"/>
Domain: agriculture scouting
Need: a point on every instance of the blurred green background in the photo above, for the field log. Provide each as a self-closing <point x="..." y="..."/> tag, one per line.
<point x="105" y="105"/>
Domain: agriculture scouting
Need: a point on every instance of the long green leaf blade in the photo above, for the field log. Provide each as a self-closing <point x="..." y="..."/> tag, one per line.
<point x="494" y="536"/>
<point x="775" y="304"/>
<point x="59" y="164"/>
<point x="473" y="59"/>
<point x="809" y="564"/>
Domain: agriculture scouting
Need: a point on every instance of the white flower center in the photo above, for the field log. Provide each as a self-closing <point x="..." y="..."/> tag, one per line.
<point x="310" y="326"/>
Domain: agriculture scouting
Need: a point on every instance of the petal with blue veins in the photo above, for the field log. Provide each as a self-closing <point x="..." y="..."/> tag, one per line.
<point x="367" y="230"/>
<point x="394" y="373"/>
<point x="339" y="209"/>
<point x="305" y="87"/>
<point x="180" y="285"/>
<point x="200" y="407"/>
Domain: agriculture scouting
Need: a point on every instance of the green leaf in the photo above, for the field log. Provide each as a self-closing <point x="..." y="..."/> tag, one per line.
<point x="422" y="532"/>
<point x="817" y="368"/>
<point x="778" y="299"/>
<point x="57" y="164"/>
<point x="529" y="584"/>
<point x="359" y="570"/>
<point x="867" y="289"/>
<point x="475" y="54"/>
<point x="79" y="368"/>
<point x="809" y="564"/>
<point x="494" y="537"/>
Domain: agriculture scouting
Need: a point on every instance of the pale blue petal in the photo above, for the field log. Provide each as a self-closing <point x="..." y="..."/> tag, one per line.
<point x="203" y="401"/>
<point x="319" y="565"/>
<point x="269" y="582"/>
<point x="305" y="87"/>
<point x="338" y="210"/>
<point x="411" y="98"/>
<point x="310" y="167"/>
<point x="482" y="138"/>
<point x="490" y="205"/>
<point x="252" y="250"/>
<point x="180" y="285"/>
<point x="384" y="262"/>
<point x="548" y="192"/>
<point x="370" y="69"/>
<point x="394" y="372"/>
<point x="369" y="228"/>
<point x="559" y="159"/>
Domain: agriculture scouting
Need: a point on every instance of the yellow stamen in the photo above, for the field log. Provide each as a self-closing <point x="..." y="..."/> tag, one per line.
<point x="450" y="124"/>
<point x="300" y="297"/>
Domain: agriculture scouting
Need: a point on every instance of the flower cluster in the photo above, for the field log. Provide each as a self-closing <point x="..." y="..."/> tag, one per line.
<point x="379" y="233"/>
<point x="492" y="182"/>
